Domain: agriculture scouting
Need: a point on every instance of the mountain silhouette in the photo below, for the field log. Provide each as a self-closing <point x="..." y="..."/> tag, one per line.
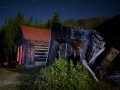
<point x="110" y="29"/>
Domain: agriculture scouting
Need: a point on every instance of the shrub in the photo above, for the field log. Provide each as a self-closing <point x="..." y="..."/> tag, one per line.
<point x="62" y="75"/>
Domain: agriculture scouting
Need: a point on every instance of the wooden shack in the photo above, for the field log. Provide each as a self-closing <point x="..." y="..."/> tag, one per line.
<point x="32" y="46"/>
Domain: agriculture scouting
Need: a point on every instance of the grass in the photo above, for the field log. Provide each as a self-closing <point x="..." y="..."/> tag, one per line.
<point x="26" y="76"/>
<point x="9" y="87"/>
<point x="9" y="82"/>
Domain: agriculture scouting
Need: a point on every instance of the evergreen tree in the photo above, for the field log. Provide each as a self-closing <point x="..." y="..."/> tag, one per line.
<point x="56" y="18"/>
<point x="7" y="36"/>
<point x="41" y="24"/>
<point x="36" y="24"/>
<point x="29" y="21"/>
<point x="47" y="24"/>
<point x="6" y="42"/>
<point x="20" y="20"/>
<point x="0" y="45"/>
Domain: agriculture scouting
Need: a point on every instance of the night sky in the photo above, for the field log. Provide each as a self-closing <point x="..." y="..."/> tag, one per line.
<point x="68" y="9"/>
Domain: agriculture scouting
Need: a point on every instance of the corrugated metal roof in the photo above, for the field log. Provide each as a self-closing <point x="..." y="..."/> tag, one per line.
<point x="31" y="33"/>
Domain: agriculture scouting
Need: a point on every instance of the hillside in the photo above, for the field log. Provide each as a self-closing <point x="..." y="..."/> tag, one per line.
<point x="89" y="23"/>
<point x="110" y="31"/>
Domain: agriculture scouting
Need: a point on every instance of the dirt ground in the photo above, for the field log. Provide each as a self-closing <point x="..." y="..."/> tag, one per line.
<point x="9" y="77"/>
<point x="13" y="79"/>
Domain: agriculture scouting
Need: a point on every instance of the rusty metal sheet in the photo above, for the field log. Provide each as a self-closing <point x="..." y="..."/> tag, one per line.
<point x="31" y="33"/>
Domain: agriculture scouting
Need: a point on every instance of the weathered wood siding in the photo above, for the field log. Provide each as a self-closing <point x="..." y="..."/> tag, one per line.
<point x="70" y="39"/>
<point x="33" y="53"/>
<point x="109" y="57"/>
<point x="41" y="50"/>
<point x="53" y="52"/>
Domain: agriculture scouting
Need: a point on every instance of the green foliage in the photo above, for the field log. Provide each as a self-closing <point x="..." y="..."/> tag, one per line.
<point x="7" y="37"/>
<point x="41" y="25"/>
<point x="56" y="18"/>
<point x="19" y="20"/>
<point x="5" y="42"/>
<point x="29" y="22"/>
<point x="62" y="75"/>
<point x="8" y="34"/>
<point x="48" y="23"/>
<point x="36" y="23"/>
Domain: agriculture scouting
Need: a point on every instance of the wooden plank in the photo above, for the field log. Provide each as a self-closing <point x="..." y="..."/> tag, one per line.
<point x="40" y="59"/>
<point x="40" y="53"/>
<point x="41" y="50"/>
<point x="89" y="69"/>
<point x="41" y="44"/>
<point x="41" y="47"/>
<point x="38" y="56"/>
<point x="53" y="52"/>
<point x="109" y="57"/>
<point x="94" y="57"/>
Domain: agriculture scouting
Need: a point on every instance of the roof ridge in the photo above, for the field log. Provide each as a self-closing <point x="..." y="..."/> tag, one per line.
<point x="32" y="27"/>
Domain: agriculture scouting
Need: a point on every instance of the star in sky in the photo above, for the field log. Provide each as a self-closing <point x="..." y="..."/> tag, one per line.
<point x="68" y="9"/>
